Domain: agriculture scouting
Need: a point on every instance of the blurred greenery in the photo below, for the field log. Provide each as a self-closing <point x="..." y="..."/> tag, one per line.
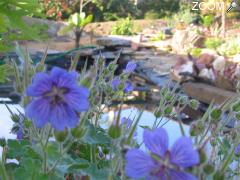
<point x="213" y="43"/>
<point x="123" y="27"/>
<point x="12" y="24"/>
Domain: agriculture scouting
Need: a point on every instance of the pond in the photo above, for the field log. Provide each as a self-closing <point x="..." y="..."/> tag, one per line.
<point x="147" y="119"/>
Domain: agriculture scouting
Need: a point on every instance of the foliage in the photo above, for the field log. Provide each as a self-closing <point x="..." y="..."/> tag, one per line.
<point x="160" y="7"/>
<point x="207" y="20"/>
<point x="230" y="47"/>
<point x="89" y="151"/>
<point x="12" y="24"/>
<point x="123" y="27"/>
<point x="105" y="10"/>
<point x="184" y="15"/>
<point x="195" y="52"/>
<point x="151" y="15"/>
<point x="213" y="43"/>
<point x="160" y="36"/>
<point x="55" y="9"/>
<point x="77" y="22"/>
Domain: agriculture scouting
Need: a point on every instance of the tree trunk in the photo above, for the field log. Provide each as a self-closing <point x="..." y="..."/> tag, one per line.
<point x="78" y="34"/>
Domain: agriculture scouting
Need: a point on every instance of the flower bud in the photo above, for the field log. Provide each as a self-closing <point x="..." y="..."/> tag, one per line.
<point x="40" y="67"/>
<point x="60" y="136"/>
<point x="197" y="128"/>
<point x="208" y="169"/>
<point x="168" y="110"/>
<point x="3" y="142"/>
<point x="15" y="118"/>
<point x="202" y="156"/>
<point x="157" y="113"/>
<point x="215" y="115"/>
<point x="213" y="142"/>
<point x="194" y="104"/>
<point x="78" y="132"/>
<point x="114" y="131"/>
<point x="183" y="100"/>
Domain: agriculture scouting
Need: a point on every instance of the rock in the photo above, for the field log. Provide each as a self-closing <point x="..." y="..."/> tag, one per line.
<point x="219" y="64"/>
<point x="113" y="42"/>
<point x="236" y="58"/>
<point x="207" y="74"/>
<point x="167" y="30"/>
<point x="205" y="61"/>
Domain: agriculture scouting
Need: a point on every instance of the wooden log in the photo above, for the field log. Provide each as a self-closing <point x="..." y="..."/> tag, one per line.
<point x="207" y="93"/>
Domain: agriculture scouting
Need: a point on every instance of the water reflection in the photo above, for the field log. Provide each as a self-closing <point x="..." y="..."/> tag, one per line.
<point x="147" y="119"/>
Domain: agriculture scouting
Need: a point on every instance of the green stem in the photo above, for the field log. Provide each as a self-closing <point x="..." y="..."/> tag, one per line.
<point x="228" y="160"/>
<point x="3" y="173"/>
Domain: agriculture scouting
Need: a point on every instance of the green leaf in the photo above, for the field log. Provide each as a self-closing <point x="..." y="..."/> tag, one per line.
<point x="95" y="136"/>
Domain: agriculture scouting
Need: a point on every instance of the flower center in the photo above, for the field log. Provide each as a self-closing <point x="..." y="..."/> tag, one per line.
<point x="56" y="94"/>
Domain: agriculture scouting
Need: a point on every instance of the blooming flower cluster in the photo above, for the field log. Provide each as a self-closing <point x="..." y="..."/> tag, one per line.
<point x="56" y="99"/>
<point x="128" y="86"/>
<point x="162" y="163"/>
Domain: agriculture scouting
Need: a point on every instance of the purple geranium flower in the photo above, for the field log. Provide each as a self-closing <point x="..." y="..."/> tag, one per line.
<point x="237" y="150"/>
<point x="127" y="123"/>
<point x="162" y="163"/>
<point x="57" y="99"/>
<point x="128" y="86"/>
<point x="131" y="66"/>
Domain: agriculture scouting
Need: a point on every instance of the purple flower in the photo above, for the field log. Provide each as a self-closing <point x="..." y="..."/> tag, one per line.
<point x="20" y="133"/>
<point x="128" y="86"/>
<point x="127" y="123"/>
<point x="57" y="99"/>
<point x="162" y="163"/>
<point x="131" y="66"/>
<point x="237" y="150"/>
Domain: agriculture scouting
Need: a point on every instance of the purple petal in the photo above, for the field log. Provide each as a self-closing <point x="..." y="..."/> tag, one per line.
<point x="115" y="83"/>
<point x="77" y="98"/>
<point x="62" y="78"/>
<point x="183" y="154"/>
<point x="237" y="150"/>
<point x="128" y="87"/>
<point x="177" y="175"/>
<point x="156" y="141"/>
<point x="41" y="84"/>
<point x="139" y="164"/>
<point x="62" y="117"/>
<point x="127" y="122"/>
<point x="131" y="66"/>
<point x="20" y="134"/>
<point x="39" y="110"/>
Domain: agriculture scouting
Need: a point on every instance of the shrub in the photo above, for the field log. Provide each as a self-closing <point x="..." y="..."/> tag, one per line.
<point x="207" y="20"/>
<point x="123" y="27"/>
<point x="230" y="47"/>
<point x="160" y="36"/>
<point x="213" y="43"/>
<point x="151" y="15"/>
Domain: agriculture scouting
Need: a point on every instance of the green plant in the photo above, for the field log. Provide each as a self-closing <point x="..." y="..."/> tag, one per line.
<point x="207" y="20"/>
<point x="213" y="43"/>
<point x="160" y="36"/>
<point x="195" y="52"/>
<point x="151" y="15"/>
<point x="12" y="24"/>
<point x="123" y="27"/>
<point x="77" y="22"/>
<point x="230" y="47"/>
